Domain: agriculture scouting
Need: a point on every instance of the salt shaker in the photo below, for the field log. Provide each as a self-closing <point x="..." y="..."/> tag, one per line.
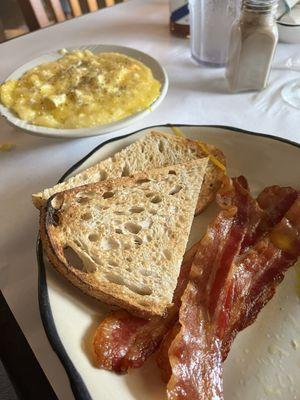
<point x="253" y="41"/>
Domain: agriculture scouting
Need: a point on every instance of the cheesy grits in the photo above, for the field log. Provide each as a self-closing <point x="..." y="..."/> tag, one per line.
<point x="81" y="89"/>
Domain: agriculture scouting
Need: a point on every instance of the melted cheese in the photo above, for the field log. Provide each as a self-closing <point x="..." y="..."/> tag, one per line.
<point x="213" y="159"/>
<point x="81" y="89"/>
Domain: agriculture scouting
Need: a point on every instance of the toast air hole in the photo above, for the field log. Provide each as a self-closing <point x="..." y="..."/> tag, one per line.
<point x="156" y="199"/>
<point x="150" y="194"/>
<point x="109" y="244"/>
<point x="181" y="218"/>
<point x="145" y="272"/>
<point x="138" y="241"/>
<point x="125" y="170"/>
<point x="172" y="172"/>
<point x="86" y="216"/>
<point x="108" y="195"/>
<point x="132" y="228"/>
<point x="82" y="200"/>
<point x="119" y="212"/>
<point x="136" y="210"/>
<point x="102" y="175"/>
<point x="175" y="190"/>
<point x="141" y="290"/>
<point x="93" y="237"/>
<point x="113" y="263"/>
<point x="90" y="194"/>
<point x="142" y="180"/>
<point x="73" y="258"/>
<point x="161" y="146"/>
<point x="57" y="201"/>
<point x="100" y="207"/>
<point x="167" y="254"/>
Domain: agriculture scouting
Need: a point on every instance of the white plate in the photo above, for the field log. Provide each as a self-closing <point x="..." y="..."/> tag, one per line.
<point x="264" y="362"/>
<point x="158" y="72"/>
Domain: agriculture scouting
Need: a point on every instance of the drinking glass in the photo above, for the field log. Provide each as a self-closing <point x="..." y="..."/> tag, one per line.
<point x="290" y="92"/>
<point x="210" y="25"/>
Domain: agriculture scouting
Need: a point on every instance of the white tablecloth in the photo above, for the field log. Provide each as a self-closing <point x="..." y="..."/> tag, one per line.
<point x="196" y="96"/>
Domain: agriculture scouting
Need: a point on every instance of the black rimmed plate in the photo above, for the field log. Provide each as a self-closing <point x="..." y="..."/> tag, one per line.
<point x="265" y="358"/>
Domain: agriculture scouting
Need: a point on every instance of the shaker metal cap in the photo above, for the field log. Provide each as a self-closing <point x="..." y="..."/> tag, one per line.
<point x="260" y="6"/>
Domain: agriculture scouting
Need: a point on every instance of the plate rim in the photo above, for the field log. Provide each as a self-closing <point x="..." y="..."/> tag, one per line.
<point x="287" y="24"/>
<point x="75" y="133"/>
<point x="77" y="384"/>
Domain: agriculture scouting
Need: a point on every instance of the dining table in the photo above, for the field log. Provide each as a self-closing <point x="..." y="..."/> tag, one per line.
<point x="197" y="95"/>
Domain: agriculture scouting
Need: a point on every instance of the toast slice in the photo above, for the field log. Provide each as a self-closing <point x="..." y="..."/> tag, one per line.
<point x="155" y="150"/>
<point x="122" y="241"/>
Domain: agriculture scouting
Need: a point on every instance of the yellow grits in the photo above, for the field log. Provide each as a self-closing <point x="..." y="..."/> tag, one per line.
<point x="81" y="89"/>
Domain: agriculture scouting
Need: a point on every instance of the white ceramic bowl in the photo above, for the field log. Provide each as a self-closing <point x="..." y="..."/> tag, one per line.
<point x="158" y="72"/>
<point x="288" y="33"/>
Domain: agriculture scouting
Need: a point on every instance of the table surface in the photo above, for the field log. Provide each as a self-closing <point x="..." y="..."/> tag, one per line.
<point x="197" y="95"/>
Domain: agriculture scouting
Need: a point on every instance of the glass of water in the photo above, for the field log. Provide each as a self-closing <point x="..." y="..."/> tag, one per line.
<point x="290" y="92"/>
<point x="210" y="25"/>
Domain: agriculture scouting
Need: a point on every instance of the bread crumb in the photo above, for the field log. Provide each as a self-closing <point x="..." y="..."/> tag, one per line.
<point x="7" y="147"/>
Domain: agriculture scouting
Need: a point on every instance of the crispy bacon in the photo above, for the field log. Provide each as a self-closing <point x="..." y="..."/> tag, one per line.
<point x="124" y="341"/>
<point x="245" y="222"/>
<point x="261" y="269"/>
<point x="195" y="353"/>
<point x="113" y="338"/>
<point x="257" y="273"/>
<point x="275" y="202"/>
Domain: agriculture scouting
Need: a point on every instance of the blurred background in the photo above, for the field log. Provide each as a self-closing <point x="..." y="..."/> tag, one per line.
<point x="18" y="17"/>
<point x="12" y="22"/>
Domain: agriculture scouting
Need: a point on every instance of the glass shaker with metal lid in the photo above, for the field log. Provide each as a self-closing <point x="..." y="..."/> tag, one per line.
<point x="210" y="25"/>
<point x="253" y="41"/>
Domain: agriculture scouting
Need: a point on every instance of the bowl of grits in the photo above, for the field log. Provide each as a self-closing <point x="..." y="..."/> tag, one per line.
<point x="83" y="91"/>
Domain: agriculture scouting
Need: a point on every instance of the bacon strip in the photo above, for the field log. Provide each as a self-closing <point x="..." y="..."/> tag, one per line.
<point x="261" y="269"/>
<point x="195" y="353"/>
<point x="257" y="272"/>
<point x="275" y="201"/>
